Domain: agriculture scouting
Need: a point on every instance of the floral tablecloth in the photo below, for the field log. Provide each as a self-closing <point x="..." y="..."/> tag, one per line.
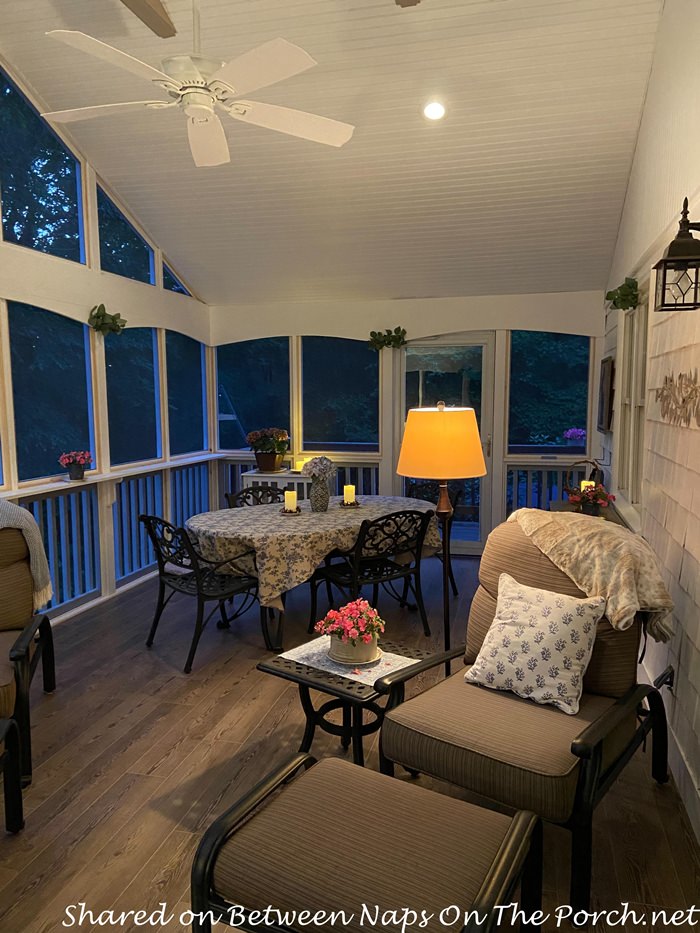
<point x="288" y="548"/>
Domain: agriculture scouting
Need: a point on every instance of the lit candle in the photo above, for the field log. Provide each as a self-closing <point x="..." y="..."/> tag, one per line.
<point x="348" y="495"/>
<point x="290" y="501"/>
<point x="299" y="464"/>
<point x="586" y="484"/>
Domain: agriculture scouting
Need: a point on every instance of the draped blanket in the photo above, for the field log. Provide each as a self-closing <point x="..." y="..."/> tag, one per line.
<point x="13" y="516"/>
<point x="604" y="559"/>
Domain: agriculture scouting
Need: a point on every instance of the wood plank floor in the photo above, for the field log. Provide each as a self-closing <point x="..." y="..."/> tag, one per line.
<point x="134" y="759"/>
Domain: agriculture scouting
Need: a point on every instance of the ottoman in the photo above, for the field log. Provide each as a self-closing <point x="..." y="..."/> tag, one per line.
<point x="331" y="845"/>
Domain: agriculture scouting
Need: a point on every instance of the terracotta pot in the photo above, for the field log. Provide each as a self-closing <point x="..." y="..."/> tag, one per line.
<point x="268" y="463"/>
<point x="347" y="653"/>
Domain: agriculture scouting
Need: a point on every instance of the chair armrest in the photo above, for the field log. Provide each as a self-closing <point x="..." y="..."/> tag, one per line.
<point x="20" y="649"/>
<point x="585" y="742"/>
<point x="385" y="684"/>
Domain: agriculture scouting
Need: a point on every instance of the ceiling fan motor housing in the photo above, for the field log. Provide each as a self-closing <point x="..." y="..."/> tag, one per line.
<point x="197" y="103"/>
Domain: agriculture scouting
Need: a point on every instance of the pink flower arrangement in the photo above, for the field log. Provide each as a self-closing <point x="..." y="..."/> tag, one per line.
<point x="82" y="457"/>
<point x="595" y="495"/>
<point x="356" y="621"/>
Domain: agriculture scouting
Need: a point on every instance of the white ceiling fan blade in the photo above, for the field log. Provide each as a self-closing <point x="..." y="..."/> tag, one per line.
<point x="268" y="63"/>
<point x="78" y="40"/>
<point x="293" y="122"/>
<point x="101" y="110"/>
<point x="207" y="141"/>
<point x="154" y="15"/>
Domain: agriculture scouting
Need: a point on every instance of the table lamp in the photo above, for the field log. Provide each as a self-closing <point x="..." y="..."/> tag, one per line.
<point x="441" y="444"/>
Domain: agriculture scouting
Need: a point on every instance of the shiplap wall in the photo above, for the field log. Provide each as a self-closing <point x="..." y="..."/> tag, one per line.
<point x="666" y="168"/>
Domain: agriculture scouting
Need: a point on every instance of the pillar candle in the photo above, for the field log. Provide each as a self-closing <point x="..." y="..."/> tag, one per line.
<point x="348" y="494"/>
<point x="290" y="500"/>
<point x="586" y="484"/>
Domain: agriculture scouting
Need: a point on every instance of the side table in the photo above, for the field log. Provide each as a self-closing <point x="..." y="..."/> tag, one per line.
<point x="351" y="695"/>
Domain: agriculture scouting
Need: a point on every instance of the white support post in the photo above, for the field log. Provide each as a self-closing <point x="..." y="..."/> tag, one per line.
<point x="390" y="420"/>
<point x="7" y="415"/>
<point x="106" y="496"/>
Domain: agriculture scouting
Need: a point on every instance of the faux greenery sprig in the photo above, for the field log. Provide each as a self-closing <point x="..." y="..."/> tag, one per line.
<point x="105" y="323"/>
<point x="390" y="338"/>
<point x="625" y="296"/>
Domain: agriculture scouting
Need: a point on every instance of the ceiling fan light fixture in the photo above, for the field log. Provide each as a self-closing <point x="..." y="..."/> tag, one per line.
<point x="434" y="110"/>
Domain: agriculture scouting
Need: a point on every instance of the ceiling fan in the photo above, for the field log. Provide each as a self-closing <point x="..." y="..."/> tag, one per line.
<point x="197" y="86"/>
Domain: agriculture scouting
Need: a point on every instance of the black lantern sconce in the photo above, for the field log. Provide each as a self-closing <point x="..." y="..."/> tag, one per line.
<point x="678" y="272"/>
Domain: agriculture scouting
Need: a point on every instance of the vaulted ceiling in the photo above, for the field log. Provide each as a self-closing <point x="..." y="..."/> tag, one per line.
<point x="519" y="189"/>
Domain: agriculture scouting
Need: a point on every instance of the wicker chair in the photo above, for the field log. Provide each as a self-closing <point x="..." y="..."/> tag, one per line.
<point x="25" y="640"/>
<point x="513" y="752"/>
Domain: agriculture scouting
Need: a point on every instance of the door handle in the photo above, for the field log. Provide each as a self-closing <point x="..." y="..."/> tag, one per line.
<point x="487" y="445"/>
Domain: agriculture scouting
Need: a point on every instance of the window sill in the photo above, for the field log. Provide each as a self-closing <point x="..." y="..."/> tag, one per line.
<point x="629" y="514"/>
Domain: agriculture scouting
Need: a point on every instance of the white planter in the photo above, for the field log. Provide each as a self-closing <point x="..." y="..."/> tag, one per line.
<point x="346" y="653"/>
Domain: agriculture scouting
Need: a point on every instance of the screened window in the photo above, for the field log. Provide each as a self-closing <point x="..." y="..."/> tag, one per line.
<point x="122" y="248"/>
<point x="548" y="410"/>
<point x="132" y="395"/>
<point x="39" y="181"/>
<point x="252" y="388"/>
<point x="340" y="395"/>
<point x="186" y="393"/>
<point x="172" y="283"/>
<point x="50" y="388"/>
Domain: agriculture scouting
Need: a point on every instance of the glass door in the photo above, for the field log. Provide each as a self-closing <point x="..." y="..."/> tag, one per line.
<point x="459" y="371"/>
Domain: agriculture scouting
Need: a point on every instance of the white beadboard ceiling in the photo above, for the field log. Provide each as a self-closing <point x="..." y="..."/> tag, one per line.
<point x="519" y="189"/>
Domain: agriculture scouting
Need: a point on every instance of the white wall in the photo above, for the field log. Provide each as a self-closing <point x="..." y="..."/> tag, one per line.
<point x="667" y="167"/>
<point x="567" y="312"/>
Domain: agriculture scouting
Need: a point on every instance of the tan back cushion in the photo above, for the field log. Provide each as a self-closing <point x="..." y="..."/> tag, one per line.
<point x="613" y="667"/>
<point x="16" y="602"/>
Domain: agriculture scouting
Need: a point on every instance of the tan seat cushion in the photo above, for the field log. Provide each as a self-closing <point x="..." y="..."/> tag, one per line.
<point x="613" y="667"/>
<point x="16" y="590"/>
<point x="7" y="674"/>
<point x="495" y="744"/>
<point x="316" y="846"/>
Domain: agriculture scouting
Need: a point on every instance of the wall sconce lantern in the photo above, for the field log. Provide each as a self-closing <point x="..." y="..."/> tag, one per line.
<point x="678" y="272"/>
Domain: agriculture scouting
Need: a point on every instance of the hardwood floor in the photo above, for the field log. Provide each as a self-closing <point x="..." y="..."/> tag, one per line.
<point x="134" y="759"/>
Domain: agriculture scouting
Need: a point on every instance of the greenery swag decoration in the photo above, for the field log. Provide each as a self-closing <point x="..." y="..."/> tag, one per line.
<point x="390" y="338"/>
<point x="105" y="323"/>
<point x="625" y="296"/>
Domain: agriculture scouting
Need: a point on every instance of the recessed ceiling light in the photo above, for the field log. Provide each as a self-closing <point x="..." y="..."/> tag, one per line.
<point x="434" y="110"/>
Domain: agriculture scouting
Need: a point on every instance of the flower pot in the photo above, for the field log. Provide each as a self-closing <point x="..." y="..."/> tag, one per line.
<point x="319" y="494"/>
<point x="590" y="508"/>
<point x="268" y="463"/>
<point x="346" y="653"/>
<point x="76" y="471"/>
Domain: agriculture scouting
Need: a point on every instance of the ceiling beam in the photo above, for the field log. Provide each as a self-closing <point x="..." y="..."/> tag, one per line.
<point x="154" y="15"/>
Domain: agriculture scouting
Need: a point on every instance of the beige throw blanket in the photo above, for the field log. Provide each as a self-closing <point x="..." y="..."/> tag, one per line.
<point x="13" y="516"/>
<point x="604" y="559"/>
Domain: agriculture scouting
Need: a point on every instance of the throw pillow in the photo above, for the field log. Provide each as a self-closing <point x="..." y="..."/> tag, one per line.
<point x="539" y="644"/>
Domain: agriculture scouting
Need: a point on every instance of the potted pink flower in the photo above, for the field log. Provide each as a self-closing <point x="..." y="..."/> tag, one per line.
<point x="591" y="499"/>
<point x="269" y="446"/>
<point x="354" y="630"/>
<point x="76" y="461"/>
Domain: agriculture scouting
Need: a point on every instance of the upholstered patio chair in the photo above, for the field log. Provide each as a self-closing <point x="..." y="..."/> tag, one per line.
<point x="512" y="752"/>
<point x="25" y="639"/>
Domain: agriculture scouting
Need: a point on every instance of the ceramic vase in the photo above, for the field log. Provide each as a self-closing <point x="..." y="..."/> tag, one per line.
<point x="319" y="494"/>
<point x="347" y="653"/>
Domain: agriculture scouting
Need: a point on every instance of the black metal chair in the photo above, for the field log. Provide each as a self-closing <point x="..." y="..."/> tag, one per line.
<point x="11" y="771"/>
<point x="259" y="495"/>
<point x="194" y="575"/>
<point x="387" y="549"/>
<point x="430" y="491"/>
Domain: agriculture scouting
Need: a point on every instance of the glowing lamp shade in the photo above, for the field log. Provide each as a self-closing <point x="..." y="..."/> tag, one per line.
<point x="441" y="443"/>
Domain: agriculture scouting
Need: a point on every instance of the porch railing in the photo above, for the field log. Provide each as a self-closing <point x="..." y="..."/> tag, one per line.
<point x="535" y="487"/>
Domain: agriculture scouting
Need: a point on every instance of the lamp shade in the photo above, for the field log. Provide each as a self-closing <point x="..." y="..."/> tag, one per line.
<point x="441" y="443"/>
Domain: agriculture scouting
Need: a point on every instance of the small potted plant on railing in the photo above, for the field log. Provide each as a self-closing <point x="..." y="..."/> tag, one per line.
<point x="269" y="446"/>
<point x="575" y="437"/>
<point x="591" y="499"/>
<point x="76" y="461"/>
<point x="354" y="630"/>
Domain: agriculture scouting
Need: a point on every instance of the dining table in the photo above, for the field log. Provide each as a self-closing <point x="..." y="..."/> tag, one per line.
<point x="283" y="549"/>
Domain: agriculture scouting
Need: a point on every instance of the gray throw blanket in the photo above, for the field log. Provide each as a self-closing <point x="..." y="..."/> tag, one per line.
<point x="604" y="559"/>
<point x="13" y="516"/>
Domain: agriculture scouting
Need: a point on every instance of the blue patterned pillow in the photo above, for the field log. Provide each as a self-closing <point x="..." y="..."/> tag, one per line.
<point x="539" y="644"/>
